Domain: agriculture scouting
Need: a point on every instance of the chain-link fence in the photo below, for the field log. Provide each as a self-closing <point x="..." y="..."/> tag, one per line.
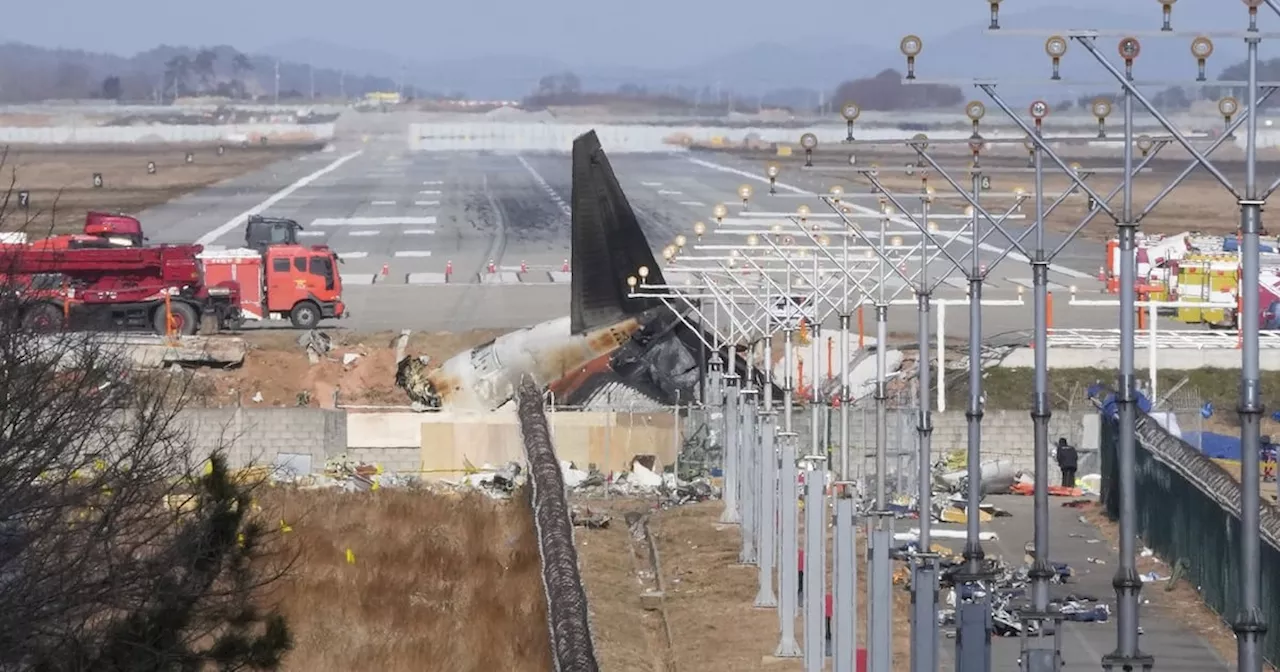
<point x="1188" y="513"/>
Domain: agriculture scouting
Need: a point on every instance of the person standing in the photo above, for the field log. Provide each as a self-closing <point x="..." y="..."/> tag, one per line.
<point x="1067" y="462"/>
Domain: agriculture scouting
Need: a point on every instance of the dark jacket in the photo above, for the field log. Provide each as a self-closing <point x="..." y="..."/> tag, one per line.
<point x="1067" y="457"/>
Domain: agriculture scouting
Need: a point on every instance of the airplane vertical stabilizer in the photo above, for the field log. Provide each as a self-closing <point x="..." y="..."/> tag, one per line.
<point x="608" y="243"/>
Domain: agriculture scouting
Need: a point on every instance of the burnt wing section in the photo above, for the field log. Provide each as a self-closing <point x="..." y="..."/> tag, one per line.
<point x="608" y="243"/>
<point x="660" y="362"/>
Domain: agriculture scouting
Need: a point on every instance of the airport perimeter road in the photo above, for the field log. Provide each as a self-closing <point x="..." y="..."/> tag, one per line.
<point x="434" y="220"/>
<point x="1176" y="648"/>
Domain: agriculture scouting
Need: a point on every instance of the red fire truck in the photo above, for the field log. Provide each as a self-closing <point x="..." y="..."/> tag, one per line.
<point x="294" y="281"/>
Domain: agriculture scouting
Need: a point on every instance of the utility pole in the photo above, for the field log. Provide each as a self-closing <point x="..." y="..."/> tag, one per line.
<point x="277" y="96"/>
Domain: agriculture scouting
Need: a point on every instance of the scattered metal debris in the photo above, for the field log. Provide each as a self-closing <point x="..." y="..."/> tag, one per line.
<point x="316" y="344"/>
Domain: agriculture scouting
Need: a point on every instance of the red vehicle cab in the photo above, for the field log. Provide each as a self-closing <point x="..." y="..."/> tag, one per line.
<point x="302" y="283"/>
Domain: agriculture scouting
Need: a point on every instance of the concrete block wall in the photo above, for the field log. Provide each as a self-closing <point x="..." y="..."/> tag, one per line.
<point x="400" y="460"/>
<point x="258" y="435"/>
<point x="1005" y="434"/>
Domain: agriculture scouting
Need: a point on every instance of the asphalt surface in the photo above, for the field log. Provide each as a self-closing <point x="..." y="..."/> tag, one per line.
<point x="433" y="223"/>
<point x="1176" y="648"/>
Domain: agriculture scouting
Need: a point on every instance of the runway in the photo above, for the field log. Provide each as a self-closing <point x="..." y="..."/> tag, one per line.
<point x="454" y="240"/>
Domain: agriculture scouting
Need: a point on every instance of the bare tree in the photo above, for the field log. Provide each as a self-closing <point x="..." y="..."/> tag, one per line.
<point x="118" y="550"/>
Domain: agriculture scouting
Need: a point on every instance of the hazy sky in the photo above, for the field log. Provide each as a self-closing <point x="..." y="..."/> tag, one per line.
<point x="659" y="33"/>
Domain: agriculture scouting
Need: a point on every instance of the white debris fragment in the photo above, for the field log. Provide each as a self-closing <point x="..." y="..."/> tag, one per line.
<point x="572" y="477"/>
<point x="257" y="397"/>
<point x="350" y="358"/>
<point x="644" y="477"/>
<point x="913" y="534"/>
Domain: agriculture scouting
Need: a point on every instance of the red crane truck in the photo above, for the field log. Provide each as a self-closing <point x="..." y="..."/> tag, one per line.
<point x="157" y="288"/>
<point x="277" y="278"/>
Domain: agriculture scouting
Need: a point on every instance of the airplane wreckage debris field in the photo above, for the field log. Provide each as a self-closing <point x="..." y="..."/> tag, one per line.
<point x="418" y="555"/>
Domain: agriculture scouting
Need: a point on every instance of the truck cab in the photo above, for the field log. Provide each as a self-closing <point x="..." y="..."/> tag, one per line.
<point x="304" y="283"/>
<point x="260" y="233"/>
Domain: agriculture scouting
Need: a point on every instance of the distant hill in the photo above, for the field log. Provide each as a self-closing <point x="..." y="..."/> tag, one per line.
<point x="799" y="73"/>
<point x="33" y="73"/>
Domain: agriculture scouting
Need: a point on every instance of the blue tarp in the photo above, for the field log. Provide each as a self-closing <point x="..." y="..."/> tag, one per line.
<point x="1214" y="445"/>
<point x="1111" y="408"/>
<point x="1233" y="245"/>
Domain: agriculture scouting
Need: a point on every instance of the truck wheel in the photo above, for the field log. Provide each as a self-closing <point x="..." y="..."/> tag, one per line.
<point x="305" y="315"/>
<point x="42" y="318"/>
<point x="185" y="320"/>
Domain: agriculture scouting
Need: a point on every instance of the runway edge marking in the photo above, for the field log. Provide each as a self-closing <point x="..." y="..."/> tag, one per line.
<point x="797" y="190"/>
<point x="238" y="220"/>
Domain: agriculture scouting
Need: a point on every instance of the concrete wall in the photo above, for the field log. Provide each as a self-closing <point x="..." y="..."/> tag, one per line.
<point x="1005" y="435"/>
<point x="558" y="136"/>
<point x="617" y="138"/>
<point x="261" y="435"/>
<point x="165" y="133"/>
<point x="437" y="444"/>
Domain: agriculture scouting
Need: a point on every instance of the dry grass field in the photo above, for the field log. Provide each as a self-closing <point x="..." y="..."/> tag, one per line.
<point x="60" y="180"/>
<point x="438" y="582"/>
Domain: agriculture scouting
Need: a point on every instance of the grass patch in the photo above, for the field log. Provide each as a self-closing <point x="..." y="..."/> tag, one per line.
<point x="443" y="582"/>
<point x="1010" y="389"/>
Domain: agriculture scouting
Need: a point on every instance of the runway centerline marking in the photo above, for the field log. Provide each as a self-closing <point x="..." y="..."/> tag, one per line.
<point x="366" y="232"/>
<point x="869" y="211"/>
<point x="413" y="253"/>
<point x="694" y="204"/>
<point x="424" y="203"/>
<point x="374" y="221"/>
<point x="238" y="221"/>
<point x="431" y="182"/>
<point x="651" y="184"/>
<point x="352" y="255"/>
<point x="419" y="232"/>
<point x="430" y="192"/>
<point x="312" y="234"/>
<point x="669" y="192"/>
<point x="382" y="202"/>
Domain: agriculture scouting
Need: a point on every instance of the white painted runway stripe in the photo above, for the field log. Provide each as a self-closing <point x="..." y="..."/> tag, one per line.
<point x="1029" y="284"/>
<point x="652" y="184"/>
<point x="419" y="232"/>
<point x="430" y="192"/>
<point x="382" y="202"/>
<point x="413" y="253"/>
<point x="365" y="232"/>
<point x="668" y="192"/>
<point x="425" y="203"/>
<point x="312" y="234"/>
<point x="238" y="221"/>
<point x="353" y="255"/>
<point x="564" y="207"/>
<point x="431" y="182"/>
<point x="374" y="221"/>
<point x="694" y="204"/>
<point x="865" y="210"/>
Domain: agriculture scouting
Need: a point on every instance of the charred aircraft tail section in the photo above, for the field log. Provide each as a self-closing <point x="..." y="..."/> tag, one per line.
<point x="608" y="243"/>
